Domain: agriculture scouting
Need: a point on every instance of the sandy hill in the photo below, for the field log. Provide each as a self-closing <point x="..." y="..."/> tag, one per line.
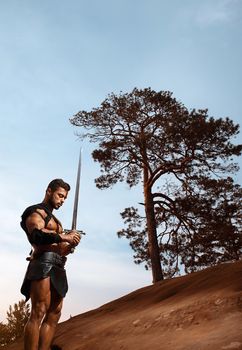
<point x="200" y="311"/>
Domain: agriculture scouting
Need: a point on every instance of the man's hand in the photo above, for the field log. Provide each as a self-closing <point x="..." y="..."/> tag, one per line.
<point x="73" y="238"/>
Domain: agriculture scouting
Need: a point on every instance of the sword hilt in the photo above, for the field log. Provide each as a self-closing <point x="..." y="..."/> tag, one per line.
<point x="80" y="232"/>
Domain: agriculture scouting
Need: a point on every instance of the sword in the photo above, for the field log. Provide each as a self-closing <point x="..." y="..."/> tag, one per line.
<point x="76" y="200"/>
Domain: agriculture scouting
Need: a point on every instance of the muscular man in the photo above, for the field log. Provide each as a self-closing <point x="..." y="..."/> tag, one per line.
<point x="45" y="280"/>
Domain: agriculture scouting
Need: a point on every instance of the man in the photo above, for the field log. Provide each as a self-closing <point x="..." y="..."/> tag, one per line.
<point x="45" y="280"/>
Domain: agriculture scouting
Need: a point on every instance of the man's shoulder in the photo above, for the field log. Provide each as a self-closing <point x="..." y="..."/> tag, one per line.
<point x="32" y="208"/>
<point x="35" y="209"/>
<point x="27" y="213"/>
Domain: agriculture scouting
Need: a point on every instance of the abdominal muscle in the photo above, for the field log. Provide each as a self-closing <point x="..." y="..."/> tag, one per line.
<point x="62" y="248"/>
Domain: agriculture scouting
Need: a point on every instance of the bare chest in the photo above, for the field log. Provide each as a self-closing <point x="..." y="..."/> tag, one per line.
<point x="54" y="226"/>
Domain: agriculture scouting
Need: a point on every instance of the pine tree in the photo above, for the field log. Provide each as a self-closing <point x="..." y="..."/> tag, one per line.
<point x="4" y="334"/>
<point x="179" y="157"/>
<point x="17" y="316"/>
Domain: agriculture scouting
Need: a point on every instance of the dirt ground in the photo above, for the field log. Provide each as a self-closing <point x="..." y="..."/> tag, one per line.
<point x="200" y="311"/>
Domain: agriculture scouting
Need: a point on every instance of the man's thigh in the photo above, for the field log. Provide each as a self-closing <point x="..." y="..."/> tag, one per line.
<point x="40" y="292"/>
<point x="56" y="301"/>
<point x="53" y="312"/>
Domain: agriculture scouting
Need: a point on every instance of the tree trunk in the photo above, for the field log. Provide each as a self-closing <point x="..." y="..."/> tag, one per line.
<point x="152" y="236"/>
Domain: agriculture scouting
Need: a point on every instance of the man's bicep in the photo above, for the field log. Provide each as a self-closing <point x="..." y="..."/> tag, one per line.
<point x="34" y="221"/>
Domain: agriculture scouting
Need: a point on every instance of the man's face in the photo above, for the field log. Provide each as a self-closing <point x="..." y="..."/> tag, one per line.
<point x="56" y="198"/>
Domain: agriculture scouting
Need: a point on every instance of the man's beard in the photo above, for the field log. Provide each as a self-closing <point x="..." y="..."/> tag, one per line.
<point x="51" y="203"/>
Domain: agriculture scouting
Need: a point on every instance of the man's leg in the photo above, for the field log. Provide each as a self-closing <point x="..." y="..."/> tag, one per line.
<point x="40" y="300"/>
<point x="48" y="327"/>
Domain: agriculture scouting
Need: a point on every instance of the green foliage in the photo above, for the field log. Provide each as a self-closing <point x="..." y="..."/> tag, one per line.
<point x="17" y="316"/>
<point x="182" y="158"/>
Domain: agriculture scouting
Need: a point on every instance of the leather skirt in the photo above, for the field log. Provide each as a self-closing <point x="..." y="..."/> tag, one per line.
<point x="48" y="264"/>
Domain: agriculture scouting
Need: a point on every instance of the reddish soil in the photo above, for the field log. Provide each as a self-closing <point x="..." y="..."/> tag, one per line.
<point x="199" y="311"/>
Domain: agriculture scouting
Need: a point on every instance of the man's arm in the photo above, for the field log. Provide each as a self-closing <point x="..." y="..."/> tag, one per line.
<point x="39" y="235"/>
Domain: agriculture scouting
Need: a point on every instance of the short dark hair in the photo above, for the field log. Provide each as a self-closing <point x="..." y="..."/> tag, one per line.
<point x="56" y="183"/>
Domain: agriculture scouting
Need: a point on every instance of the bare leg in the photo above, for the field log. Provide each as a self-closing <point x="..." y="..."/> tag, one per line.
<point x="50" y="321"/>
<point x="40" y="301"/>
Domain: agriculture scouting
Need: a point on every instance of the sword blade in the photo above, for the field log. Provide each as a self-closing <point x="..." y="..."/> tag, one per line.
<point x="76" y="200"/>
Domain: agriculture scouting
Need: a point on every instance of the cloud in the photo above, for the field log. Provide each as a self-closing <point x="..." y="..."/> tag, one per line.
<point x="218" y="12"/>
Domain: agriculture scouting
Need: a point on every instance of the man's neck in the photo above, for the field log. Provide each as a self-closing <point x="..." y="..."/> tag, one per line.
<point x="47" y="206"/>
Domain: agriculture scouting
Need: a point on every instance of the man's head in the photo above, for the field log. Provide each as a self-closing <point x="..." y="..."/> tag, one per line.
<point x="56" y="193"/>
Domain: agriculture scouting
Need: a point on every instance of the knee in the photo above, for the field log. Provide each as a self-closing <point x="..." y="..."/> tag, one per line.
<point x="38" y="311"/>
<point x="54" y="315"/>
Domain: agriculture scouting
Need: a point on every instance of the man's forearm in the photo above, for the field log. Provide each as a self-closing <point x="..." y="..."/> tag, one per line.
<point x="39" y="237"/>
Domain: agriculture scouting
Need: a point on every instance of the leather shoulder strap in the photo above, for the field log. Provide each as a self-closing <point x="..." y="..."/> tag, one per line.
<point x="34" y="209"/>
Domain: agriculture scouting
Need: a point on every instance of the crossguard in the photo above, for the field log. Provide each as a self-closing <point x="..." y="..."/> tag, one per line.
<point x="78" y="231"/>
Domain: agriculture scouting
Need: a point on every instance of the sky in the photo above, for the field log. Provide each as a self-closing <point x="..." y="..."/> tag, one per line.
<point x="59" y="57"/>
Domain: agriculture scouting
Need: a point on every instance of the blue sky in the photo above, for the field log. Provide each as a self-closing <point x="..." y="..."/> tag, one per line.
<point x="58" y="57"/>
